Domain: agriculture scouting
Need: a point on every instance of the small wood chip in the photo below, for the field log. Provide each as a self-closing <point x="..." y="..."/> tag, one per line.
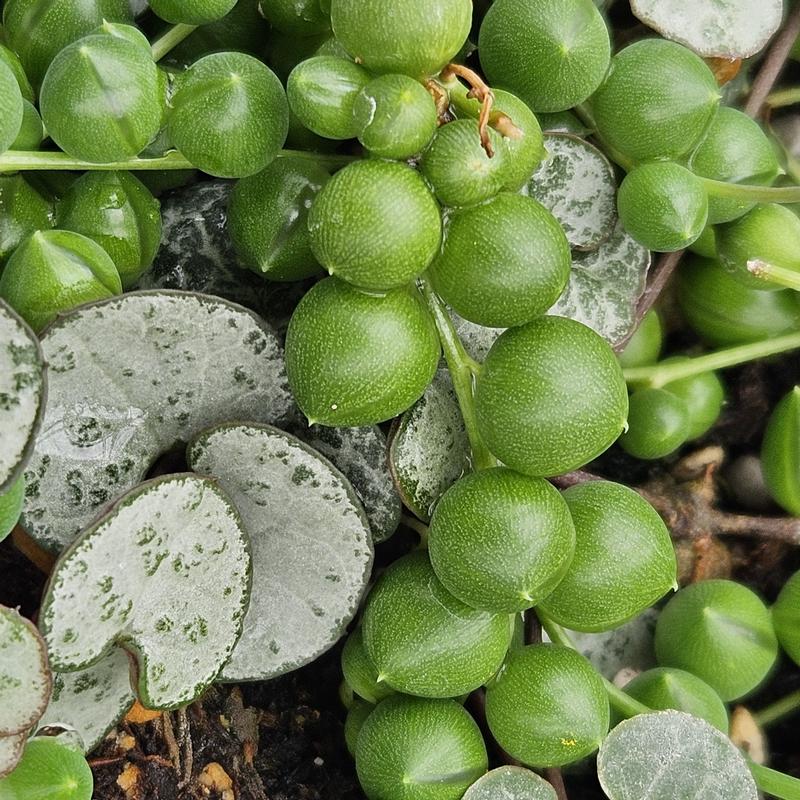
<point x="128" y="781"/>
<point x="215" y="779"/>
<point x="139" y="714"/>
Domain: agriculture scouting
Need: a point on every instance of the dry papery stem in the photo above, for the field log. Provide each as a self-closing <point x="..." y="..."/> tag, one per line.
<point x="480" y="91"/>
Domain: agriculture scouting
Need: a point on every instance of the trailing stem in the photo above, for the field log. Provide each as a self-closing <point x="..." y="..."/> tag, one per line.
<point x="774" y="274"/>
<point x="779" y="710"/>
<point x="170" y="39"/>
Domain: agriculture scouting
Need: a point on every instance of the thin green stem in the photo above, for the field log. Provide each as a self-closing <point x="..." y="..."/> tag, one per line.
<point x="661" y="374"/>
<point x="775" y="274"/>
<point x="463" y="370"/>
<point x="170" y="39"/>
<point x="30" y="160"/>
<point x="774" y="783"/>
<point x="784" y="97"/>
<point x="778" y="710"/>
<point x="751" y="194"/>
<point x="418" y="526"/>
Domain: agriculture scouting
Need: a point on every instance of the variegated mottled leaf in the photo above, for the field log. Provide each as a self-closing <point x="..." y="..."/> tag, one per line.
<point x="671" y="754"/>
<point x="91" y="701"/>
<point x="22" y="392"/>
<point x="605" y="286"/>
<point x="362" y="454"/>
<point x="25" y="680"/>
<point x="477" y="339"/>
<point x="510" y="783"/>
<point x="165" y="574"/>
<point x="11" y="748"/>
<point x="724" y="28"/>
<point x="130" y="377"/>
<point x="311" y="544"/>
<point x="430" y="449"/>
<point x="576" y="183"/>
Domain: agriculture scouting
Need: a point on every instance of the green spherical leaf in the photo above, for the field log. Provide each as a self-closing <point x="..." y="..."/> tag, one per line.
<point x="322" y="92"/>
<point x="11" y="108"/>
<point x="551" y="397"/>
<point x="191" y="12"/>
<point x="267" y="219"/>
<point x="415" y="37"/>
<point x="229" y="115"/>
<point x="356" y="717"/>
<point x="706" y="243"/>
<point x="658" y="424"/>
<point x="656" y="101"/>
<point x="601" y="590"/>
<point x="101" y="99"/>
<point x="501" y="541"/>
<point x="663" y="688"/>
<point x="23" y="210"/>
<point x="725" y="312"/>
<point x="769" y="234"/>
<point x="423" y="641"/>
<point x="720" y="631"/>
<point x="644" y="347"/>
<point x="360" y="672"/>
<point x="780" y="453"/>
<point x="458" y="168"/>
<point x="37" y="31"/>
<point x="509" y="274"/>
<point x="117" y="211"/>
<point x="296" y="17"/>
<point x="413" y="749"/>
<point x="49" y="771"/>
<point x="31" y="132"/>
<point x="11" y="507"/>
<point x="395" y="116"/>
<point x="704" y="395"/>
<point x="786" y="617"/>
<point x="357" y="359"/>
<point x="11" y="60"/>
<point x="663" y="206"/>
<point x="552" y="53"/>
<point x="511" y="783"/>
<point x="375" y="225"/>
<point x="548" y="706"/>
<point x="54" y="271"/>
<point x="735" y="149"/>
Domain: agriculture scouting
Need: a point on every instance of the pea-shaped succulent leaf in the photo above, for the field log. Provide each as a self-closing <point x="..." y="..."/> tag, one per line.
<point x="375" y="225"/>
<point x="706" y="243"/>
<point x="229" y="115"/>
<point x="356" y="717"/>
<point x="395" y="116"/>
<point x="177" y="605"/>
<point x="267" y="219"/>
<point x="360" y="672"/>
<point x="551" y="397"/>
<point x="644" y="347"/>
<point x="304" y="18"/>
<point x="11" y="60"/>
<point x="726" y="312"/>
<point x="322" y="92"/>
<point x="54" y="271"/>
<point x="322" y="578"/>
<point x="769" y="234"/>
<point x="601" y="589"/>
<point x="415" y="749"/>
<point x="656" y="101"/>
<point x="658" y="424"/>
<point x="547" y="707"/>
<point x="512" y="271"/>
<point x="23" y="210"/>
<point x="414" y="37"/>
<point x="720" y="631"/>
<point x="663" y="206"/>
<point x="552" y="53"/>
<point x="457" y="167"/>
<point x="191" y="12"/>
<point x="702" y="763"/>
<point x="118" y="212"/>
<point x="31" y="131"/>
<point x="780" y="453"/>
<point x="49" y="770"/>
<point x="663" y="688"/>
<point x="11" y="502"/>
<point x="22" y="385"/>
<point x="423" y="641"/>
<point x="704" y="395"/>
<point x="357" y="359"/>
<point x="101" y="99"/>
<point x="786" y="617"/>
<point x="501" y="541"/>
<point x="734" y="149"/>
<point x="510" y="783"/>
<point x="577" y="183"/>
<point x="38" y="30"/>
<point x="11" y="108"/>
